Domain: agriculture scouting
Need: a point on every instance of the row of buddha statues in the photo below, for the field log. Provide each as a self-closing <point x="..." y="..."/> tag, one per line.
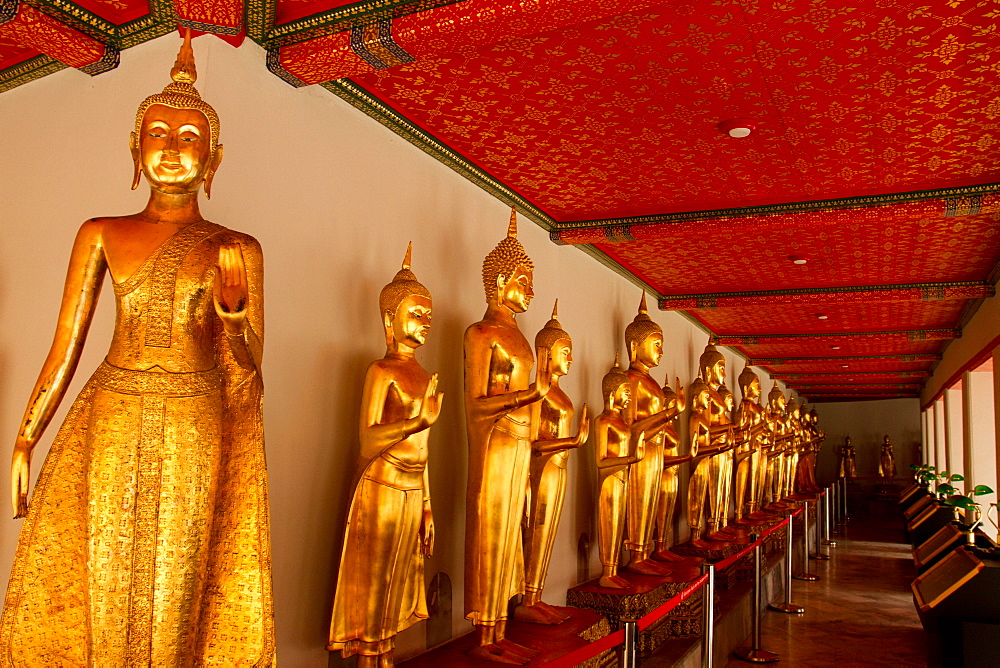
<point x="520" y="428"/>
<point x="146" y="540"/>
<point x="847" y="466"/>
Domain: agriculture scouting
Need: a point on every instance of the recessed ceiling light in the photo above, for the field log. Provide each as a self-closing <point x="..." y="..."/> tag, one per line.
<point x="738" y="127"/>
<point x="797" y="259"/>
<point x="835" y="347"/>
<point x="822" y="316"/>
<point x="843" y="366"/>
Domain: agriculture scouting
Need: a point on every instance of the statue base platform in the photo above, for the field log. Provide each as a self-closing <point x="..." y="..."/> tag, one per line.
<point x="645" y="595"/>
<point x="552" y="641"/>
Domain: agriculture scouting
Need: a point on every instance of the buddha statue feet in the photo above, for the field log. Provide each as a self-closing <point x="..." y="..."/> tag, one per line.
<point x="614" y="582"/>
<point x="538" y="613"/>
<point x="664" y="554"/>
<point x="520" y="650"/>
<point x="647" y="567"/>
<point x="497" y="654"/>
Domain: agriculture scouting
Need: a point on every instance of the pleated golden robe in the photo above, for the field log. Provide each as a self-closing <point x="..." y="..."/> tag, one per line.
<point x="147" y="539"/>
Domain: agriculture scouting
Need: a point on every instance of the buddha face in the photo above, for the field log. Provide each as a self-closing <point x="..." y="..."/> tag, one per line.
<point x="752" y="390"/>
<point x="719" y="372"/>
<point x="412" y="321"/>
<point x="621" y="397"/>
<point x="650" y="351"/>
<point x="700" y="400"/>
<point x="561" y="357"/>
<point x="174" y="148"/>
<point x="728" y="400"/>
<point x="516" y="293"/>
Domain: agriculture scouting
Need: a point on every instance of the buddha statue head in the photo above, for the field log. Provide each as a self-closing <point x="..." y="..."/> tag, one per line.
<point x="405" y="306"/>
<point x="644" y="338"/>
<point x="712" y="366"/>
<point x="728" y="400"/>
<point x="699" y="393"/>
<point x="749" y="384"/>
<point x="792" y="409"/>
<point x="507" y="272"/>
<point x="554" y="338"/>
<point x="175" y="143"/>
<point x="615" y="388"/>
<point x="776" y="399"/>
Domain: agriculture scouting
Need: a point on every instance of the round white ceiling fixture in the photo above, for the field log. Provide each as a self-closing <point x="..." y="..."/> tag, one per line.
<point x="738" y="127"/>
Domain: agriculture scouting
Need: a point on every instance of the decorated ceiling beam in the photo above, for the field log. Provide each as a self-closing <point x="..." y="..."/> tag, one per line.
<point x="904" y="335"/>
<point x="774" y="361"/>
<point x="850" y="387"/>
<point x="834" y="375"/>
<point x="389" y="42"/>
<point x="867" y="294"/>
<point x="23" y="24"/>
<point x="831" y="398"/>
<point x="915" y="205"/>
<point x="223" y="18"/>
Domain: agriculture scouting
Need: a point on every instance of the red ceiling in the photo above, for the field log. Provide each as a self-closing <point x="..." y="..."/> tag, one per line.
<point x="598" y="119"/>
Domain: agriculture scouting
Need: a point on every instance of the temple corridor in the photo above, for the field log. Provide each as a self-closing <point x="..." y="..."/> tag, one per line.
<point x="861" y="612"/>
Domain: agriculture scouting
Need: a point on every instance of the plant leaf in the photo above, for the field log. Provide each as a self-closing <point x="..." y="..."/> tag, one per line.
<point x="981" y="489"/>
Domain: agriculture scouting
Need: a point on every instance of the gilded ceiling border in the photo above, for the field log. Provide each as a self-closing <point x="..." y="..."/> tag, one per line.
<point x="28" y="70"/>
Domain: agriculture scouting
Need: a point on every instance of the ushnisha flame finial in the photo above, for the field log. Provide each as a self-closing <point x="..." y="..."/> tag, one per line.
<point x="184" y="70"/>
<point x="406" y="259"/>
<point x="512" y="225"/>
<point x="642" y="303"/>
<point x="617" y="362"/>
<point x="552" y="332"/>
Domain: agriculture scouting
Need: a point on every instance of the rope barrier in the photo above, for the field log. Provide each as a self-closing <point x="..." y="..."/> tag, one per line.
<point x="595" y="648"/>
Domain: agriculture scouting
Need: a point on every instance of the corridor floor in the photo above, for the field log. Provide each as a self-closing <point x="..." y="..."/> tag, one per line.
<point x="861" y="612"/>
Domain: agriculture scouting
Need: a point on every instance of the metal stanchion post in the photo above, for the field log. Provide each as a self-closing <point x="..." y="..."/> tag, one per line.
<point x="754" y="653"/>
<point x="805" y="574"/>
<point x="827" y="538"/>
<point x="788" y="606"/>
<point x="630" y="650"/>
<point x="708" y="621"/>
<point x="843" y="496"/>
<point x="818" y="554"/>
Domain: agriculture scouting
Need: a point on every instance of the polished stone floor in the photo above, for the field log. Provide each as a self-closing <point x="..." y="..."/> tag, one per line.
<point x="861" y="612"/>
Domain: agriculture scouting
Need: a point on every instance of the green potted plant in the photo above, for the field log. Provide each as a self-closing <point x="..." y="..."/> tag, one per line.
<point x="966" y="504"/>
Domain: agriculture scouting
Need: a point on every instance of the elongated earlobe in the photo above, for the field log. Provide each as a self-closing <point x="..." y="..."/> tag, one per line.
<point x="133" y="146"/>
<point x="213" y="167"/>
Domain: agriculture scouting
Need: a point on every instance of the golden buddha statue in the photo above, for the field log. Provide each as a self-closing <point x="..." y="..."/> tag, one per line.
<point x="615" y="455"/>
<point x="146" y="541"/>
<point x="846" y="467"/>
<point x="712" y="368"/>
<point x="551" y="442"/>
<point x="647" y="414"/>
<point x="390" y="528"/>
<point x="700" y="434"/>
<point x="886" y="460"/>
<point x="674" y="402"/>
<point x="792" y="451"/>
<point x="777" y="441"/>
<point x="498" y="397"/>
<point x="805" y="476"/>
<point x="750" y="425"/>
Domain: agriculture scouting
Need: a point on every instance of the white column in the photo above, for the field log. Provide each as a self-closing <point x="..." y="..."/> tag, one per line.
<point x="980" y="430"/>
<point x="929" y="436"/>
<point x="953" y="430"/>
<point x="996" y="412"/>
<point x="940" y="459"/>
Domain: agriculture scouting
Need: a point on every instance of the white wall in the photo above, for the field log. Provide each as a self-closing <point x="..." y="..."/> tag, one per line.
<point x="866" y="422"/>
<point x="334" y="198"/>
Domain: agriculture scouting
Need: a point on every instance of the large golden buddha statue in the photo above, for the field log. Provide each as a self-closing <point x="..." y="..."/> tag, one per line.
<point x="615" y="455"/>
<point x="703" y="446"/>
<point x="551" y="419"/>
<point x="498" y="397"/>
<point x="796" y="437"/>
<point x="647" y="414"/>
<point x="146" y="539"/>
<point x="390" y="528"/>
